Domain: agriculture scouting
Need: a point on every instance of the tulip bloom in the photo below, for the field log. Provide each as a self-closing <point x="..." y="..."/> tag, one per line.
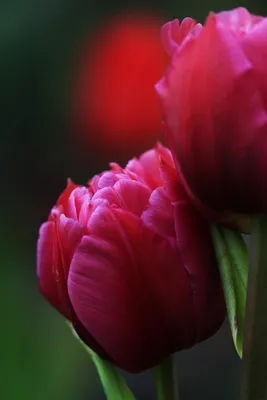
<point x="214" y="96"/>
<point x="129" y="261"/>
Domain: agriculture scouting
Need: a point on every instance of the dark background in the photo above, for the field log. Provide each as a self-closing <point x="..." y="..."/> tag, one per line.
<point x="40" y="360"/>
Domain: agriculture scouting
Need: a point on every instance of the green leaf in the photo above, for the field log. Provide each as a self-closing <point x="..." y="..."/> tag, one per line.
<point x="232" y="257"/>
<point x="113" y="384"/>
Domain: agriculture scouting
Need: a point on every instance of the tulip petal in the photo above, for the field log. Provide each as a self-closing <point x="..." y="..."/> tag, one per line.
<point x="146" y="168"/>
<point x="254" y="44"/>
<point x="108" y="195"/>
<point x="196" y="250"/>
<point x="174" y="34"/>
<point x="53" y="283"/>
<point x="238" y="20"/>
<point x="49" y="271"/>
<point x="109" y="179"/>
<point x="127" y="281"/>
<point x="76" y="200"/>
<point x="170" y="36"/>
<point x="63" y="198"/>
<point x="208" y="91"/>
<point x="126" y="194"/>
<point x="158" y="216"/>
<point x="134" y="196"/>
<point x="69" y="234"/>
<point x="55" y="248"/>
<point x="150" y="161"/>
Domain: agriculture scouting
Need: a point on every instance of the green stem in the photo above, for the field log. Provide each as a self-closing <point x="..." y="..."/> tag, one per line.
<point x="113" y="384"/>
<point x="255" y="341"/>
<point x="165" y="376"/>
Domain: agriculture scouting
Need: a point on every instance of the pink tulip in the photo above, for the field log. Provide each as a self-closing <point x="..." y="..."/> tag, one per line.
<point x="130" y="262"/>
<point x="214" y="97"/>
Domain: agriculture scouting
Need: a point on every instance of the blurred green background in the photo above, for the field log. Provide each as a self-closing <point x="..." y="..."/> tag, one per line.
<point x="40" y="360"/>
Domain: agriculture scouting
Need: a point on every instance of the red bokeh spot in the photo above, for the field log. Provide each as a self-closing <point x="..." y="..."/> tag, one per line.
<point x="116" y="103"/>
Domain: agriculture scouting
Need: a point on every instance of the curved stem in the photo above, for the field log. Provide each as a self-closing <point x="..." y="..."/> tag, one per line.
<point x="255" y="347"/>
<point x="113" y="384"/>
<point x="165" y="376"/>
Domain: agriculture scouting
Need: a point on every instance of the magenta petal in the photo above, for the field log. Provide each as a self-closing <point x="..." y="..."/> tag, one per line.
<point x="124" y="287"/>
<point x="134" y="195"/>
<point x="146" y="168"/>
<point x="126" y="194"/>
<point x="63" y="198"/>
<point x="108" y="179"/>
<point x="76" y="201"/>
<point x="239" y="19"/>
<point x="55" y="248"/>
<point x="158" y="215"/>
<point x="254" y="44"/>
<point x="53" y="284"/>
<point x="69" y="234"/>
<point x="45" y="254"/>
<point x="198" y="258"/>
<point x="209" y="89"/>
<point x="170" y="36"/>
<point x="174" y="34"/>
<point x="107" y="195"/>
<point x="51" y="279"/>
<point x="150" y="162"/>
